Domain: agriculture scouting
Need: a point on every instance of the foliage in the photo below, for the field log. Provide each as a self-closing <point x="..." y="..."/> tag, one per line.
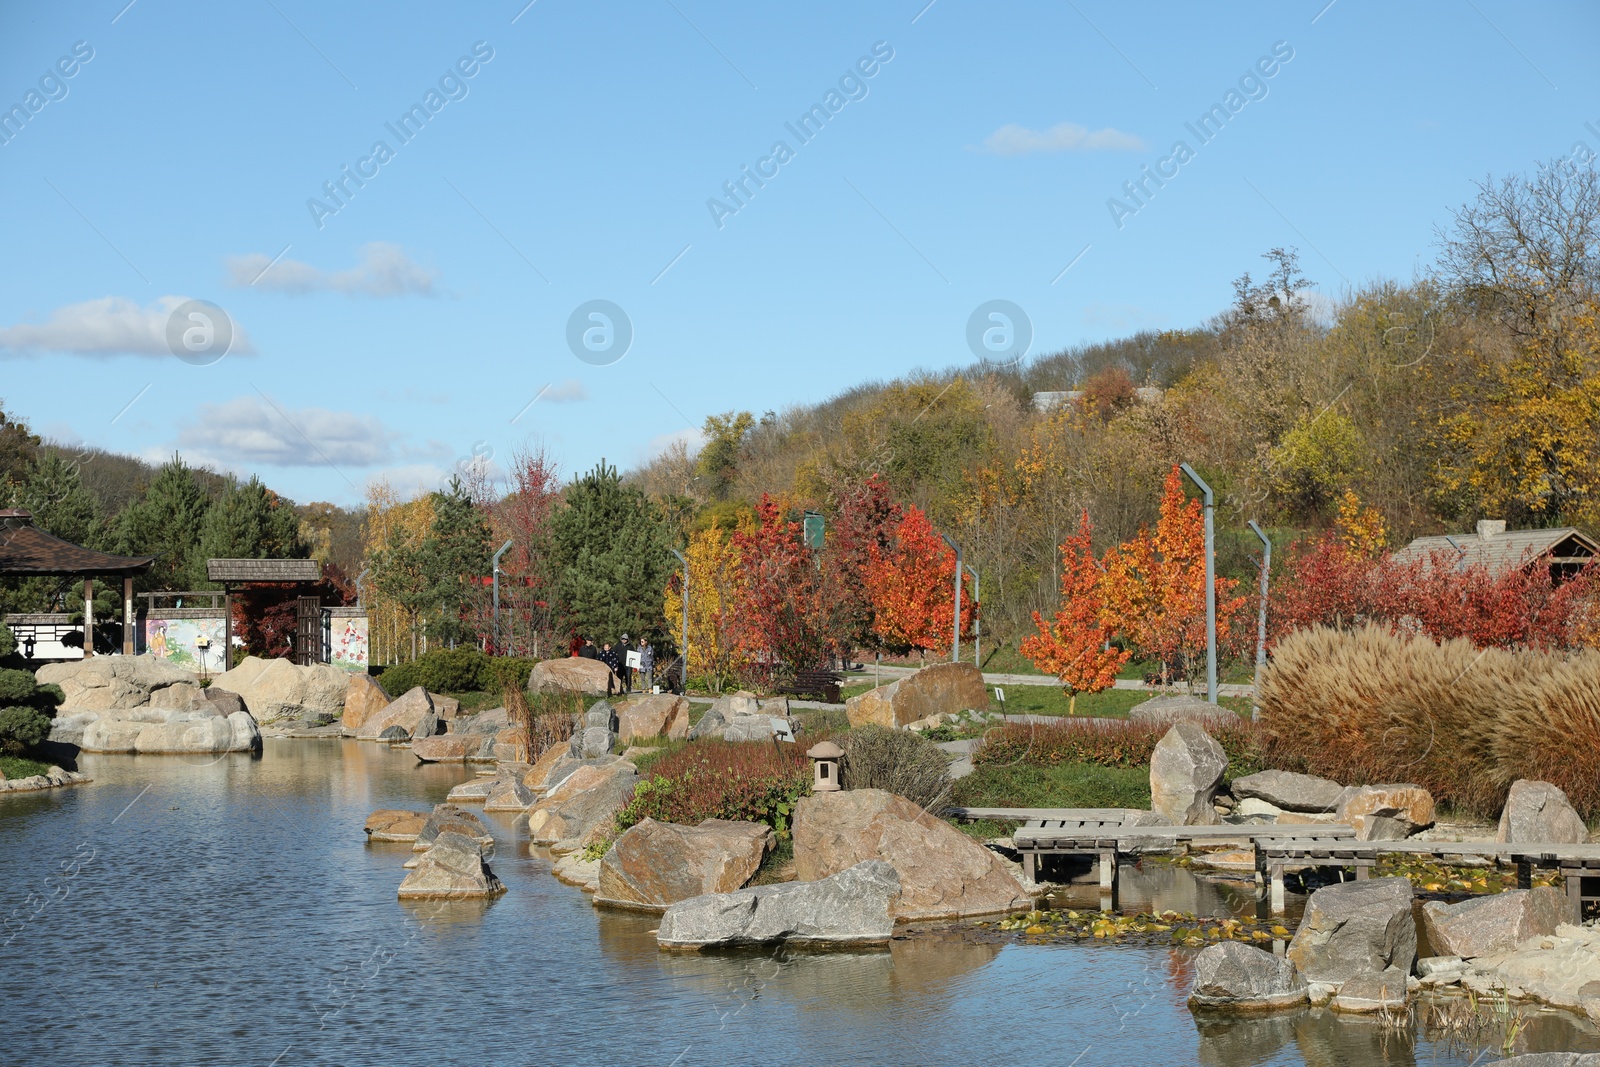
<point x="722" y="780"/>
<point x="266" y="614"/>
<point x="250" y="521"/>
<point x="864" y="522"/>
<point x="522" y="516"/>
<point x="21" y="728"/>
<point x="548" y="718"/>
<point x="609" y="548"/>
<point x="912" y="588"/>
<point x="1463" y="722"/>
<point x="715" y="654"/>
<point x="16" y="686"/>
<point x="166" y="522"/>
<point x="509" y="672"/>
<point x="456" y="559"/>
<point x="1076" y="647"/>
<point x="1106" y="744"/>
<point x="779" y="616"/>
<point x="458" y="670"/>
<point x="718" y="462"/>
<point x="899" y="761"/>
<point x="1155" y="589"/>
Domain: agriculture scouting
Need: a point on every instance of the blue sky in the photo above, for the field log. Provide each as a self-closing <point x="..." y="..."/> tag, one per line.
<point x="413" y="326"/>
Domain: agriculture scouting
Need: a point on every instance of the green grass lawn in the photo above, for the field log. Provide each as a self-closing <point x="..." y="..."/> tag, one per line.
<point x="1067" y="785"/>
<point x="21" y="767"/>
<point x="1050" y="700"/>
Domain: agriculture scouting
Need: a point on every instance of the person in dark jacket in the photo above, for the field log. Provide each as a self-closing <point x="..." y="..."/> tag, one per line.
<point x="587" y="650"/>
<point x="647" y="663"/>
<point x="608" y="656"/>
<point x="625" y="672"/>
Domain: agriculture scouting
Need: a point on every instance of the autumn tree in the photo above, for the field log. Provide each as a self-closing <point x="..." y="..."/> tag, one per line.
<point x="865" y="520"/>
<point x="1155" y="587"/>
<point x="522" y="517"/>
<point x="913" y="590"/>
<point x="715" y="653"/>
<point x="778" y="617"/>
<point x="1076" y="645"/>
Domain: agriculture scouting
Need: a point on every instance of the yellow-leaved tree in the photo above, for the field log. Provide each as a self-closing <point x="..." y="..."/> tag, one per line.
<point x="714" y="655"/>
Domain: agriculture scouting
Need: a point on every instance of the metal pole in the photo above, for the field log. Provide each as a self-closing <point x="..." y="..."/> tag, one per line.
<point x="1211" y="585"/>
<point x="495" y="564"/>
<point x="683" y="679"/>
<point x="1261" y="625"/>
<point x="977" y="620"/>
<point x="955" y="636"/>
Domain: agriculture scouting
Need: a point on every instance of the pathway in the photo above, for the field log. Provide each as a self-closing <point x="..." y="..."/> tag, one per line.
<point x="890" y="673"/>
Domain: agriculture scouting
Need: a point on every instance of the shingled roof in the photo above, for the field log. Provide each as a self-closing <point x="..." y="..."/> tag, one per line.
<point x="1498" y="549"/>
<point x="26" y="549"/>
<point x="263" y="570"/>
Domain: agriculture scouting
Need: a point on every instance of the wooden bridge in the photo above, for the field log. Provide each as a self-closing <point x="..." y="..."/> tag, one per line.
<point x="1106" y="834"/>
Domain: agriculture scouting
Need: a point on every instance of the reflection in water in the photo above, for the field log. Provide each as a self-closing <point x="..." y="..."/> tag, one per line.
<point x="234" y="913"/>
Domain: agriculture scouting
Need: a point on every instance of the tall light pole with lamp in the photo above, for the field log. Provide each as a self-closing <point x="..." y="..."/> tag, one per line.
<point x="1211" y="583"/>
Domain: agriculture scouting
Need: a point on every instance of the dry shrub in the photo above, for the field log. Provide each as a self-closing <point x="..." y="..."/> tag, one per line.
<point x="545" y="719"/>
<point x="740" y="780"/>
<point x="897" y="761"/>
<point x="1463" y="722"/>
<point x="1120" y="743"/>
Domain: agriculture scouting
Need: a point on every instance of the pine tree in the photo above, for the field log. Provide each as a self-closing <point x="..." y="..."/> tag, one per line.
<point x="166" y="521"/>
<point x="250" y="521"/>
<point x="456" y="554"/>
<point x="611" y="556"/>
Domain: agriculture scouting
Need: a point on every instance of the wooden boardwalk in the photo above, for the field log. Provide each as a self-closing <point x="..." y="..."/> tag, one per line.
<point x="1108" y="833"/>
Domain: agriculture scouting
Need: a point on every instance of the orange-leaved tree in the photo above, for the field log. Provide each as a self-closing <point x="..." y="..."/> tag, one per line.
<point x="1155" y="586"/>
<point x="912" y="588"/>
<point x="1075" y="646"/>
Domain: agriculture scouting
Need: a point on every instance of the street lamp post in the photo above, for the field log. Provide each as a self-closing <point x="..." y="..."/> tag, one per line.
<point x="955" y="637"/>
<point x="683" y="649"/>
<point x="977" y="621"/>
<point x="495" y="562"/>
<point x="1261" y="623"/>
<point x="1211" y="583"/>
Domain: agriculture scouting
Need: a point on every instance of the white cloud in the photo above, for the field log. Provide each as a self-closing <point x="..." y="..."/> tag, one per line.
<point x="384" y="270"/>
<point x="1014" y="140"/>
<point x="252" y="431"/>
<point x="566" y="392"/>
<point x="109" y="326"/>
<point x="411" y="480"/>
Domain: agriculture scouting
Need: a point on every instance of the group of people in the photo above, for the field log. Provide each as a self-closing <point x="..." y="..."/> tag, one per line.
<point x="616" y="657"/>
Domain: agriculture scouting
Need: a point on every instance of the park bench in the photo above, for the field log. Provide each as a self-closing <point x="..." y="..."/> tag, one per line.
<point x="821" y="683"/>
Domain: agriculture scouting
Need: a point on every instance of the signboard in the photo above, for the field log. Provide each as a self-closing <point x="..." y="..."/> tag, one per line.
<point x="634" y="660"/>
<point x="814" y="527"/>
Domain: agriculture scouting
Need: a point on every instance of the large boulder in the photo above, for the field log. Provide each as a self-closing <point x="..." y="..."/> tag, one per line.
<point x="574" y="674"/>
<point x="148" y="731"/>
<point x="412" y="711"/>
<point x="453" y="869"/>
<point x="654" y="716"/>
<point x="1185" y="770"/>
<point x="393" y="824"/>
<point x="1239" y="977"/>
<point x="1290" y="791"/>
<point x="742" y="707"/>
<point x="581" y="810"/>
<point x="364" y="697"/>
<point x="942" y="689"/>
<point x="1540" y="812"/>
<point x="592" y="742"/>
<point x="1497" y="923"/>
<point x="1386" y="812"/>
<point x="508" y="793"/>
<point x="851" y="907"/>
<point x="655" y="864"/>
<point x="451" y="748"/>
<point x="118" y="683"/>
<point x="943" y="873"/>
<point x="538" y="776"/>
<point x="280" y="689"/>
<point x="447" y="818"/>
<point x="1355" y="927"/>
<point x="1182" y="708"/>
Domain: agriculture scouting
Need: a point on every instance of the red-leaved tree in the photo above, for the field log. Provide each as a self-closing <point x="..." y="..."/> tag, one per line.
<point x="1075" y="645"/>
<point x="866" y="519"/>
<point x="779" y="622"/>
<point x="913" y="589"/>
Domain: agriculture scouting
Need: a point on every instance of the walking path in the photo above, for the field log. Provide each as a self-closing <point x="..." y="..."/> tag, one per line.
<point x="890" y="673"/>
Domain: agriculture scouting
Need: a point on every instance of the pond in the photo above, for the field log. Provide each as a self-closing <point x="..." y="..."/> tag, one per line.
<point x="231" y="912"/>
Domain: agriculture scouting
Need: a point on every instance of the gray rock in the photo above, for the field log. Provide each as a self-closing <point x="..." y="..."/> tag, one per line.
<point x="1382" y="828"/>
<point x="488" y="722"/>
<point x="225" y="701"/>
<point x="1355" y="927"/>
<point x="594" y="742"/>
<point x="508" y="794"/>
<point x="395" y="735"/>
<point x="67" y="727"/>
<point x="154" y="731"/>
<point x="1429" y="966"/>
<point x="1550" y="1059"/>
<point x="601" y="714"/>
<point x="447" y="818"/>
<point x="1497" y="923"/>
<point x="849" y="907"/>
<point x="119" y="683"/>
<point x="1290" y="791"/>
<point x="1185" y="771"/>
<point x="1241" y="978"/>
<point x="1372" y="991"/>
<point x="1182" y="709"/>
<point x="748" y="728"/>
<point x="452" y="868"/>
<point x="429" y="725"/>
<point x="1540" y="812"/>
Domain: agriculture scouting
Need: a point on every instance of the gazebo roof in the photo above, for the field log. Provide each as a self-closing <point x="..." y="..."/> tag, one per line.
<point x="27" y="550"/>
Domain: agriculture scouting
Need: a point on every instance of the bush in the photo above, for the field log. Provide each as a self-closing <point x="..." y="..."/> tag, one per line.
<point x="1122" y="744"/>
<point x="1460" y="721"/>
<point x="21" y="728"/>
<point x="897" y="761"/>
<point x="17" y="687"/>
<point x="509" y="672"/>
<point x="723" y="780"/>
<point x="546" y="719"/>
<point x="444" y="670"/>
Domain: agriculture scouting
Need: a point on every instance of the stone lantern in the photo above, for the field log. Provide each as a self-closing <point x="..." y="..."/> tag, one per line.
<point x="825" y="756"/>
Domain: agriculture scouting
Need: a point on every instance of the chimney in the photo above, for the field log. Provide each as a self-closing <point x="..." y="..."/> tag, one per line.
<point x="1488" y="528"/>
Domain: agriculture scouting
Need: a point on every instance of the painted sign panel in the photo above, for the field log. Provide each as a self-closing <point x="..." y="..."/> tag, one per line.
<point x="179" y="642"/>
<point x="347" y="645"/>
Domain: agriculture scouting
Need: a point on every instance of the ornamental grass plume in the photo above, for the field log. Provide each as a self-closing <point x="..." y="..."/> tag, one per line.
<point x="898" y="761"/>
<point x="1463" y="722"/>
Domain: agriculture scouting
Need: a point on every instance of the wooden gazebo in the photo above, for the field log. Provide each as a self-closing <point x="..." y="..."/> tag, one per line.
<point x="29" y="552"/>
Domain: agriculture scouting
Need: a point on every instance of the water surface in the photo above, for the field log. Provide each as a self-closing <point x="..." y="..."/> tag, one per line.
<point x="231" y="912"/>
